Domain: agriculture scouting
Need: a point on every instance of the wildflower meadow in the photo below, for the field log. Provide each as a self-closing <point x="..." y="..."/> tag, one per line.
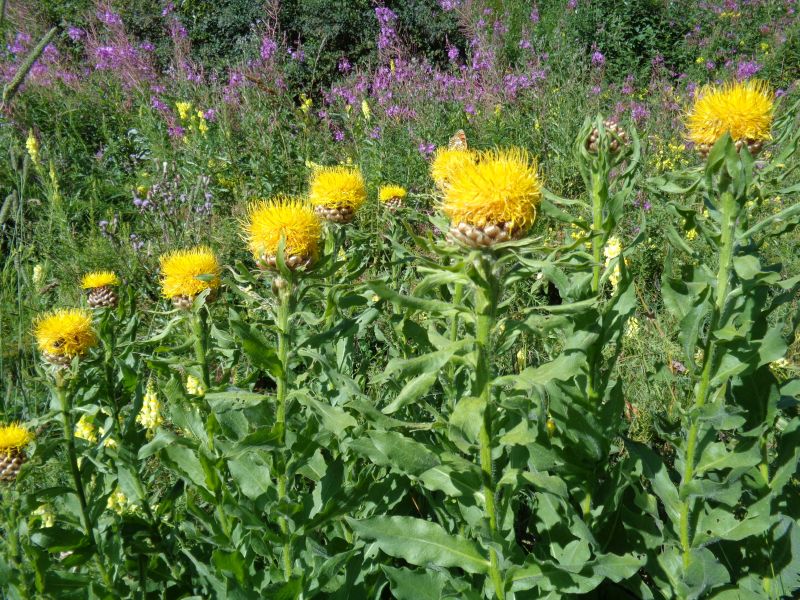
<point x="417" y="300"/>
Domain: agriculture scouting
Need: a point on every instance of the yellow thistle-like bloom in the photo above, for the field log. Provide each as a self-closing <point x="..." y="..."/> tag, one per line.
<point x="389" y="192"/>
<point x="743" y="109"/>
<point x="502" y="187"/>
<point x="14" y="437"/>
<point x="85" y="429"/>
<point x="98" y="279"/>
<point x="449" y="161"/>
<point x="150" y="416"/>
<point x="283" y="217"/>
<point x="180" y="271"/>
<point x="66" y="332"/>
<point x="337" y="187"/>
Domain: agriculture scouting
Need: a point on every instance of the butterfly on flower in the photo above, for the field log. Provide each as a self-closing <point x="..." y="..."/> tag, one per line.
<point x="458" y="141"/>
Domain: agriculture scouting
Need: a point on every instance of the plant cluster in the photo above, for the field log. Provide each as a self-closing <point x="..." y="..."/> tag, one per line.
<point x="288" y="426"/>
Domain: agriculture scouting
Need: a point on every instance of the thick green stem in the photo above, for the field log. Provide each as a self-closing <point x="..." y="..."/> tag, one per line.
<point x="200" y="327"/>
<point x="284" y="308"/>
<point x="458" y="293"/>
<point x="72" y="456"/>
<point x="485" y="306"/>
<point x="728" y="208"/>
<point x="598" y="239"/>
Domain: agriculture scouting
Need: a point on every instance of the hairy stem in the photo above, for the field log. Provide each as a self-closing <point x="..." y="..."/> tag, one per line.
<point x="284" y="308"/>
<point x="200" y="327"/>
<point x="729" y="211"/>
<point x="485" y="306"/>
<point x="598" y="239"/>
<point x="72" y="456"/>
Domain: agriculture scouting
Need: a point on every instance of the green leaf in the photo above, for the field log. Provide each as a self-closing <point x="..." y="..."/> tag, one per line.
<point x="392" y="449"/>
<point x="334" y="418"/>
<point x="466" y="420"/>
<point x="563" y="368"/>
<point x="250" y="470"/>
<point x="421" y="543"/>
<point x="425" y="364"/>
<point x="255" y="345"/>
<point x="716" y="456"/>
<point x="185" y="462"/>
<point x="414" y="585"/>
<point x="412" y="391"/>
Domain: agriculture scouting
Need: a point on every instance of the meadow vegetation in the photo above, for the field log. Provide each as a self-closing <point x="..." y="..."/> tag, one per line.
<point x="455" y="299"/>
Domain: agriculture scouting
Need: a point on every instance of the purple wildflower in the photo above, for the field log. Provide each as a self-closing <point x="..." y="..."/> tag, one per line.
<point x="747" y="69"/>
<point x="268" y="48"/>
<point x="426" y="149"/>
<point x="109" y="17"/>
<point x="598" y="59"/>
<point x="75" y="33"/>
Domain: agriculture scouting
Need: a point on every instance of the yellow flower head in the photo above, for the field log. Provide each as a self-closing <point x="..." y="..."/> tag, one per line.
<point x="387" y="192"/>
<point x="194" y="386"/>
<point x="613" y="248"/>
<point x="14" y="437"/>
<point x="184" y="109"/>
<point x="743" y="109"/>
<point x="283" y="216"/>
<point x="32" y="145"/>
<point x="98" y="279"/>
<point x="502" y="187"/>
<point x="337" y="187"/>
<point x="65" y="332"/>
<point x="85" y="429"/>
<point x="449" y="161"/>
<point x="150" y="416"/>
<point x="180" y="272"/>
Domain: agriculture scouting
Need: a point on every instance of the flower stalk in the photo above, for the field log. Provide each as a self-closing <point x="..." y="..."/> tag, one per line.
<point x="200" y="329"/>
<point x="486" y="297"/>
<point x="284" y="307"/>
<point x="72" y="456"/>
<point x="729" y="211"/>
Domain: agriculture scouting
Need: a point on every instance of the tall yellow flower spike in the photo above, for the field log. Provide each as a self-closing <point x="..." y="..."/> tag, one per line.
<point x="64" y="334"/>
<point x="493" y="200"/>
<point x="98" y="279"/>
<point x="449" y="161"/>
<point x="337" y="192"/>
<point x="181" y="271"/>
<point x="743" y="109"/>
<point x="283" y="217"/>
